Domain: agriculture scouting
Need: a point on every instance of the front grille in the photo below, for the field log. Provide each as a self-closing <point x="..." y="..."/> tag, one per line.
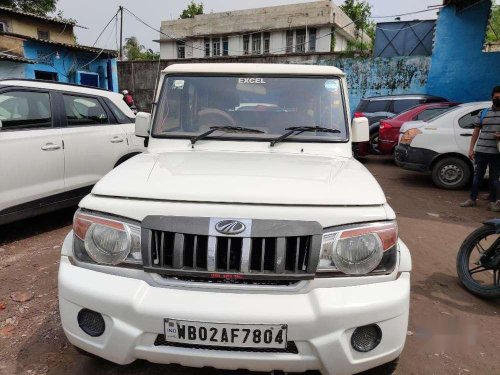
<point x="290" y="347"/>
<point x="272" y="249"/>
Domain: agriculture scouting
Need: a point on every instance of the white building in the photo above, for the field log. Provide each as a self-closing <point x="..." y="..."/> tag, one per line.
<point x="314" y="27"/>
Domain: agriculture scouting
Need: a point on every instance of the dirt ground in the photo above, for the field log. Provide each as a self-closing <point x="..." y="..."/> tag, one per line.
<point x="450" y="331"/>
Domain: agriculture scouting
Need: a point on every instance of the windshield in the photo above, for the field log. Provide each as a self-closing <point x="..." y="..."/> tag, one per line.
<point x="191" y="105"/>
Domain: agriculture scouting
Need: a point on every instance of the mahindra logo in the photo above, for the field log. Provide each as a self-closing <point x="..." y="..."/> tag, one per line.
<point x="230" y="227"/>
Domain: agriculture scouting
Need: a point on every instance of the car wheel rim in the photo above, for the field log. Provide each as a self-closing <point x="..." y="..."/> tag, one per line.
<point x="451" y="174"/>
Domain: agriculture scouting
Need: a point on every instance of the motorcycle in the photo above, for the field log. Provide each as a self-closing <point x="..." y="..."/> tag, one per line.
<point x="478" y="261"/>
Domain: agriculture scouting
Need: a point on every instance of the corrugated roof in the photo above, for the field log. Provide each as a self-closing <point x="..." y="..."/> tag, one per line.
<point x="77" y="47"/>
<point x="7" y="57"/>
<point x="45" y="18"/>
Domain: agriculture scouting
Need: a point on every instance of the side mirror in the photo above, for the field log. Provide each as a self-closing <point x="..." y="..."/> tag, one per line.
<point x="360" y="130"/>
<point x="142" y="124"/>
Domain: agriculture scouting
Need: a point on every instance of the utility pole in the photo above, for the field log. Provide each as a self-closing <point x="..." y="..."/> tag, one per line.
<point x="120" y="8"/>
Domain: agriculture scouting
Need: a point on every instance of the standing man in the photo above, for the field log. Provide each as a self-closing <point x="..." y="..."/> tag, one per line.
<point x="486" y="154"/>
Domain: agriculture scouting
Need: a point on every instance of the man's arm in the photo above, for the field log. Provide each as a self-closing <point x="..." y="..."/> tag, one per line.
<point x="473" y="141"/>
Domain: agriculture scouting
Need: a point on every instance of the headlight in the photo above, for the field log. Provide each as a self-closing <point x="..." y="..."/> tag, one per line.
<point x="105" y="240"/>
<point x="359" y="250"/>
<point x="409" y="135"/>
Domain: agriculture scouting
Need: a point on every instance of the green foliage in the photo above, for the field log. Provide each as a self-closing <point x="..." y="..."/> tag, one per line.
<point x="135" y="51"/>
<point x="493" y="31"/>
<point x="359" y="11"/>
<point x="40" y="7"/>
<point x="192" y="10"/>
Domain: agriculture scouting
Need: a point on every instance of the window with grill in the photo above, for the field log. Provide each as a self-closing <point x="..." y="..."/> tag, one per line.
<point x="43" y="34"/>
<point x="216" y="50"/>
<point x="207" y="47"/>
<point x="300" y="41"/>
<point x="312" y="40"/>
<point x="256" y="44"/>
<point x="267" y="42"/>
<point x="246" y="44"/>
<point x="3" y="27"/>
<point x="225" y="46"/>
<point x="289" y="41"/>
<point x="181" y="50"/>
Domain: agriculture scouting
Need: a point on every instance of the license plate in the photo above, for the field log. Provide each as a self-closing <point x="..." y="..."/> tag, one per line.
<point x="271" y="336"/>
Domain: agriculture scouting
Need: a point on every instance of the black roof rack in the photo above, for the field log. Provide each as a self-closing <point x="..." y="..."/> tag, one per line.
<point x="54" y="82"/>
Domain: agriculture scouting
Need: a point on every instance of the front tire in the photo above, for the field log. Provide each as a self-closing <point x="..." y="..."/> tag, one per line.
<point x="451" y="173"/>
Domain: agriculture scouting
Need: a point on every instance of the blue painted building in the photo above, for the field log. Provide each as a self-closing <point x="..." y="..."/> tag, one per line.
<point x="460" y="69"/>
<point x="38" y="47"/>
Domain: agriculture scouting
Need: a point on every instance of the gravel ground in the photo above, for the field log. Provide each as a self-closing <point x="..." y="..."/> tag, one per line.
<point x="450" y="332"/>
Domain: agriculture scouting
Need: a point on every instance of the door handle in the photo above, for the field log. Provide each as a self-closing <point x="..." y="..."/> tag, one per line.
<point x="116" y="140"/>
<point x="50" y="147"/>
<point x="466" y="135"/>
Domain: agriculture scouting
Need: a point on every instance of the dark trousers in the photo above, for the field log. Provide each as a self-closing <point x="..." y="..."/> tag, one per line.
<point x="484" y="160"/>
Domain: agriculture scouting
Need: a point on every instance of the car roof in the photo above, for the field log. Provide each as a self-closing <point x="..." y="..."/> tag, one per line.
<point x="403" y="97"/>
<point x="241" y="68"/>
<point x="62" y="86"/>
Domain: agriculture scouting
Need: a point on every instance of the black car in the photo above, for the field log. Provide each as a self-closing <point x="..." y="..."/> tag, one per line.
<point x="377" y="108"/>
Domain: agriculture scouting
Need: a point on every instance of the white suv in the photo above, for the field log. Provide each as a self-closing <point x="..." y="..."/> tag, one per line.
<point x="56" y="141"/>
<point x="246" y="237"/>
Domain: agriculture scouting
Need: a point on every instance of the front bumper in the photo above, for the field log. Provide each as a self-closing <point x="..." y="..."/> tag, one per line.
<point x="414" y="158"/>
<point x="320" y="321"/>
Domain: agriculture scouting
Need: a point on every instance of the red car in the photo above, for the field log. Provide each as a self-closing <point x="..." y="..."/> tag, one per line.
<point x="389" y="128"/>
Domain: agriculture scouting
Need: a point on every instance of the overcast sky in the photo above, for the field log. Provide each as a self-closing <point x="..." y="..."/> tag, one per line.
<point x="94" y="14"/>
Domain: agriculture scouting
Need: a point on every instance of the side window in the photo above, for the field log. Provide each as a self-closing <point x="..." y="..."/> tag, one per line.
<point x="428" y="113"/>
<point x="84" y="111"/>
<point x="377" y="106"/>
<point x="404" y="104"/>
<point x="120" y="116"/>
<point x="25" y="110"/>
<point x="467" y="121"/>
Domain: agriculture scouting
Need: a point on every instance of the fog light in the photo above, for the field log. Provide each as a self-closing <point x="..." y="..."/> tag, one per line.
<point x="366" y="338"/>
<point x="91" y="322"/>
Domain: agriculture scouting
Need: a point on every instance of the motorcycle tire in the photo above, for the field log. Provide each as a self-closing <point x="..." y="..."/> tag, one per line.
<point x="488" y="292"/>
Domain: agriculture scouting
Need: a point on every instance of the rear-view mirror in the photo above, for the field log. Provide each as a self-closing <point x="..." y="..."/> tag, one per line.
<point x="360" y="130"/>
<point x="142" y="124"/>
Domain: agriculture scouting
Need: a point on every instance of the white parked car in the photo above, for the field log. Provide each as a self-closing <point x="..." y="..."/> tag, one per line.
<point x="56" y="141"/>
<point x="241" y="239"/>
<point x="440" y="145"/>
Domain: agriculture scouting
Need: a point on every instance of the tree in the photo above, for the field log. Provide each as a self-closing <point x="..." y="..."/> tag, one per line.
<point x="493" y="31"/>
<point x="359" y="11"/>
<point x="192" y="10"/>
<point x="40" y="7"/>
<point x="135" y="51"/>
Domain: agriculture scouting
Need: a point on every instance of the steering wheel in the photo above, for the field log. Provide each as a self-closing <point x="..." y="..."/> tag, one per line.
<point x="214" y="117"/>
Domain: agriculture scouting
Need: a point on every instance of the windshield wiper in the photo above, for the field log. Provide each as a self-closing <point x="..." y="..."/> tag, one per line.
<point x="224" y="128"/>
<point x="295" y="130"/>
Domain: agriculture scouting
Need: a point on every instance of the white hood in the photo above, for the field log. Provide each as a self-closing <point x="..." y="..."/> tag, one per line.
<point x="243" y="177"/>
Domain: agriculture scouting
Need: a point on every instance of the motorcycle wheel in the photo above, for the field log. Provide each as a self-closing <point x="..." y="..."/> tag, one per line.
<point x="475" y="277"/>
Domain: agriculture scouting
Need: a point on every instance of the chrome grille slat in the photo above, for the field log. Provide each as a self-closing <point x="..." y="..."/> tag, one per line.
<point x="178" y="253"/>
<point x="280" y="255"/>
<point x="195" y="248"/>
<point x="211" y="253"/>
